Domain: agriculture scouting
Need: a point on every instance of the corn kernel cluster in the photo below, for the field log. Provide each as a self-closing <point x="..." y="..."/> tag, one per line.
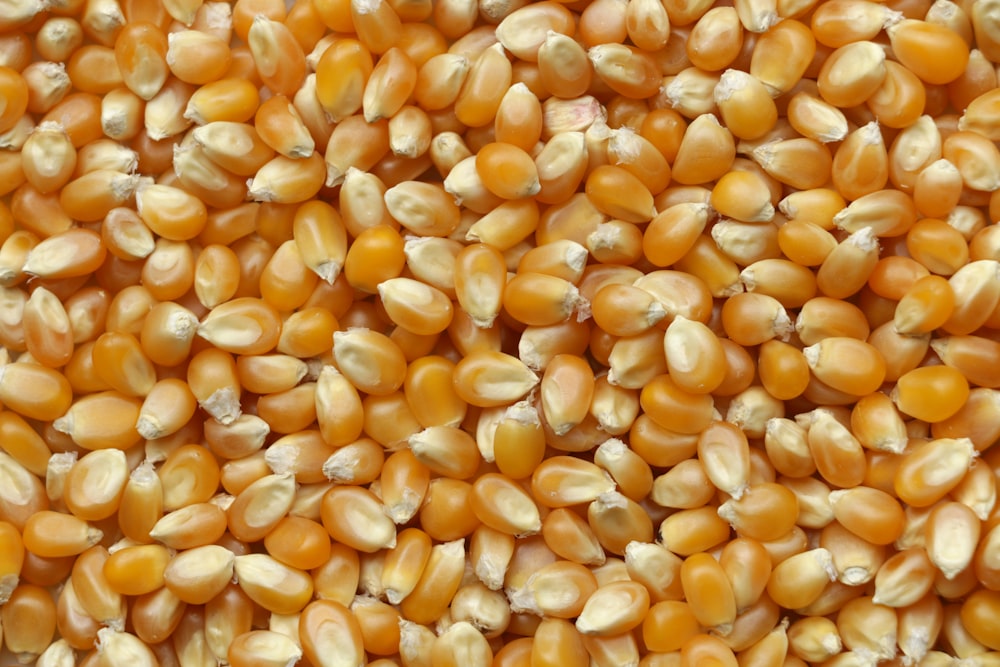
<point x="471" y="333"/>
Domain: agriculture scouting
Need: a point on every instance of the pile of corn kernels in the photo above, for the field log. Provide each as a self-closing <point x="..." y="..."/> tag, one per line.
<point x="460" y="333"/>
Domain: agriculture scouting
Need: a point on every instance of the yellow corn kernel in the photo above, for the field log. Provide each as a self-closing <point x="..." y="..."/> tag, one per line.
<point x="945" y="456"/>
<point x="627" y="71"/>
<point x="932" y="51"/>
<point x="73" y="536"/>
<point x="439" y="80"/>
<point x="685" y="486"/>
<point x="29" y="619"/>
<point x="709" y="595"/>
<point x="616" y="192"/>
<point x="824" y="359"/>
<point x="883" y="521"/>
<point x="262" y="647"/>
<point x="557" y="642"/>
<point x="359" y="522"/>
<point x="695" y="358"/>
<point x="277" y="587"/>
<point x="767" y="511"/>
<point x="745" y="105"/>
<point x="391" y="83"/>
<point x="280" y="61"/>
<point x="260" y="503"/>
<point x="561" y="481"/>
<point x="328" y="628"/>
<point x="404" y="563"/>
<point x="437" y="585"/>
<point x="446" y="450"/>
<point x="618" y="521"/>
<point x="228" y="99"/>
<point x="838" y="455"/>
<point x="482" y="90"/>
<point x="715" y="40"/>
<point x="524" y="30"/>
<point x="141" y="504"/>
<point x="136" y="570"/>
<point x="814" y="638"/>
<point x="613" y="609"/>
<point x="977" y="113"/>
<point x="13" y="559"/>
<point x="487" y="379"/>
<point x="931" y="393"/>
<point x="852" y="73"/>
<point x="197" y="575"/>
<point x="193" y="526"/>
<point x="559" y="589"/>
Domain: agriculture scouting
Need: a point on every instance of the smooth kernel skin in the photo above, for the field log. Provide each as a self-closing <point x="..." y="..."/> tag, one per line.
<point x="975" y="614"/>
<point x="931" y="393"/>
<point x="507" y="171"/>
